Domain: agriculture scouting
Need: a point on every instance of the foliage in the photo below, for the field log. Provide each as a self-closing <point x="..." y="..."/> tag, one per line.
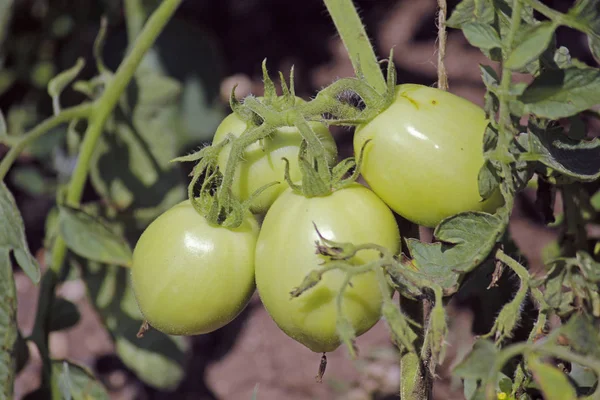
<point x="134" y="121"/>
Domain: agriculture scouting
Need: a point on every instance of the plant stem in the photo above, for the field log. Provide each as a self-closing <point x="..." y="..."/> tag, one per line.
<point x="135" y="15"/>
<point x="441" y="68"/>
<point x="416" y="381"/>
<point x="353" y="34"/>
<point x="100" y="113"/>
<point x="66" y="115"/>
<point x="115" y="88"/>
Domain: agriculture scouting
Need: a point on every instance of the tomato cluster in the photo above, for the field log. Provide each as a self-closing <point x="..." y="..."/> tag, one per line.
<point x="422" y="161"/>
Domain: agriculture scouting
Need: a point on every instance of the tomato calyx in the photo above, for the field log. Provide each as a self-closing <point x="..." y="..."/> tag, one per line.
<point x="210" y="189"/>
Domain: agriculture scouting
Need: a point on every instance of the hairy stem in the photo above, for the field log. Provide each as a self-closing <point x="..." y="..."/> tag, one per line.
<point x="66" y="115"/>
<point x="353" y="34"/>
<point x="416" y="381"/>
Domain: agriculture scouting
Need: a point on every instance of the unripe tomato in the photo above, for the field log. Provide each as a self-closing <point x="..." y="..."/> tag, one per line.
<point x="425" y="155"/>
<point x="285" y="254"/>
<point x="262" y="163"/>
<point x="190" y="277"/>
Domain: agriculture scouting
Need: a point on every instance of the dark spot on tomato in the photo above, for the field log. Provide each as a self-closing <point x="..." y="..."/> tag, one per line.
<point x="433" y="102"/>
<point x="461" y="148"/>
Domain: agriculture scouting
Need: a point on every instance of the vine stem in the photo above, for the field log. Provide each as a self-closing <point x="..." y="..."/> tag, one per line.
<point x="98" y="115"/>
<point x="416" y="381"/>
<point x="353" y="34"/>
<point x="66" y="115"/>
<point x="441" y="67"/>
<point x="134" y="14"/>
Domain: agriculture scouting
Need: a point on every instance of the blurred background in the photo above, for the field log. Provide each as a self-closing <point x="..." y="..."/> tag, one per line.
<point x="209" y="47"/>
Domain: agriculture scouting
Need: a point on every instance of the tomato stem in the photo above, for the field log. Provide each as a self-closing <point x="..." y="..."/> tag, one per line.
<point x="353" y="34"/>
<point x="81" y="111"/>
<point x="441" y="67"/>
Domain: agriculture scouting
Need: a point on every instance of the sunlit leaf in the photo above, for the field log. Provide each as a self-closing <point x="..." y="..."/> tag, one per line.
<point x="535" y="41"/>
<point x="559" y="93"/>
<point x="90" y="237"/>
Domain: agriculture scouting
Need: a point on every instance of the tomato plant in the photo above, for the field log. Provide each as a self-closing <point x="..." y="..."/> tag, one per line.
<point x="425" y="153"/>
<point x="285" y="253"/>
<point x="328" y="260"/>
<point x="190" y="277"/>
<point x="262" y="162"/>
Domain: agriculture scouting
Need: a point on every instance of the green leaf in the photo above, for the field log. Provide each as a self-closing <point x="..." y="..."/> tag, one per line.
<point x="471" y="10"/>
<point x="559" y="93"/>
<point x="488" y="180"/>
<point x="479" y="362"/>
<point x="61" y="81"/>
<point x="401" y="331"/>
<point x="8" y="326"/>
<point x="582" y="335"/>
<point x="3" y="128"/>
<point x="554" y="149"/>
<point x="76" y="382"/>
<point x="157" y="359"/>
<point x="90" y="237"/>
<point x="64" y="315"/>
<point x="480" y="35"/>
<point x="553" y="383"/>
<point x="131" y="166"/>
<point x="467" y="240"/>
<point x="535" y="41"/>
<point x="586" y="14"/>
<point x="12" y="235"/>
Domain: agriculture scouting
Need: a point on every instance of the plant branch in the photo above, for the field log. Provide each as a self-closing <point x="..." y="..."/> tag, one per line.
<point x="135" y="15"/>
<point x="441" y="67"/>
<point x="353" y="34"/>
<point x="81" y="111"/>
<point x="111" y="95"/>
<point x="415" y="378"/>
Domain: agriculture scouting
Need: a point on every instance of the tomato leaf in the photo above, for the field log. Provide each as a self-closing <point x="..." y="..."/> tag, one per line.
<point x="480" y="35"/>
<point x="64" y="315"/>
<point x="467" y="240"/>
<point x="535" y="40"/>
<point x="157" y="359"/>
<point x="479" y="362"/>
<point x="8" y="325"/>
<point x="579" y="159"/>
<point x="76" y="382"/>
<point x="553" y="383"/>
<point x="12" y="235"/>
<point x="131" y="165"/>
<point x="3" y="128"/>
<point x="90" y="237"/>
<point x="586" y="13"/>
<point x="488" y="180"/>
<point x="471" y="10"/>
<point x="582" y="335"/>
<point x="559" y="93"/>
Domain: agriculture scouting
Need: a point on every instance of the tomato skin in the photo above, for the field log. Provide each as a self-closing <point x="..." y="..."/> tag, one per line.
<point x="285" y="254"/>
<point x="190" y="277"/>
<point x="425" y="155"/>
<point x="262" y="166"/>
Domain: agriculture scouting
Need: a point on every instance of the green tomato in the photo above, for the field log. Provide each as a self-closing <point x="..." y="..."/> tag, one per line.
<point x="285" y="254"/>
<point x="425" y="155"/>
<point x="190" y="277"/>
<point x="262" y="163"/>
